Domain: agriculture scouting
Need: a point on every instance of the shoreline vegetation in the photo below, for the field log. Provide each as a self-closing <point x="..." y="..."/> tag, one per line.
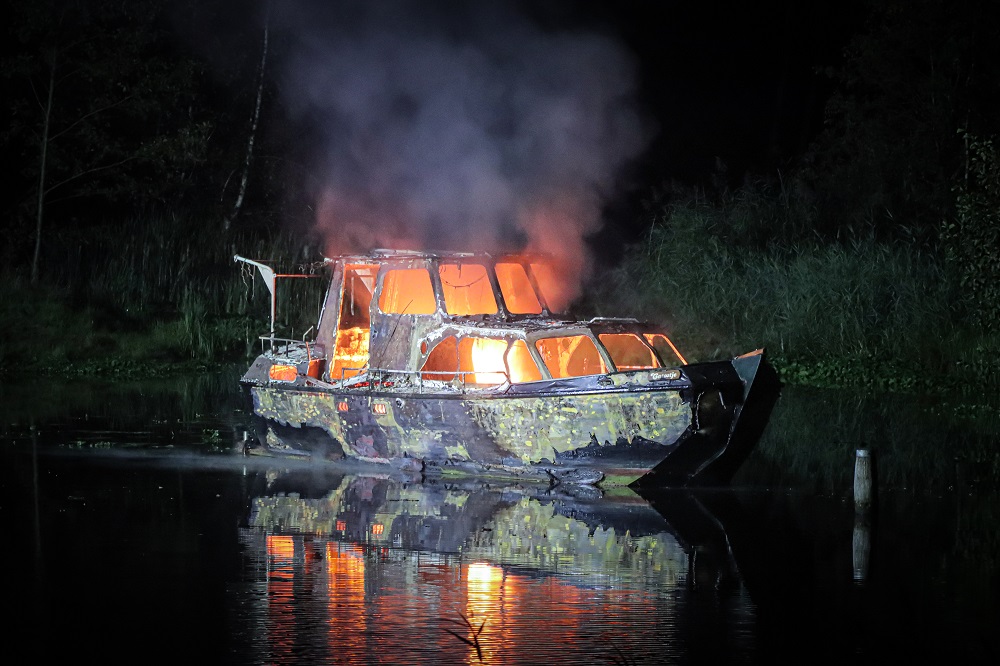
<point x="854" y="312"/>
<point x="858" y="310"/>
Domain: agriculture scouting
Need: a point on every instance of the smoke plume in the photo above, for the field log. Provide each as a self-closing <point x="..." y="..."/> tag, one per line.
<point x="457" y="125"/>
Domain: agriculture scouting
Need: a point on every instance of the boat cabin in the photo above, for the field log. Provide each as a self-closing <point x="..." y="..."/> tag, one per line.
<point x="463" y="320"/>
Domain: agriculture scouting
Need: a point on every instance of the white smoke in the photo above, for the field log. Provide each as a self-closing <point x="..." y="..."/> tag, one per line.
<point x="457" y="125"/>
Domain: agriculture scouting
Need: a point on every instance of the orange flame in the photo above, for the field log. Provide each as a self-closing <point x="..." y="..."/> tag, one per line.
<point x="350" y="353"/>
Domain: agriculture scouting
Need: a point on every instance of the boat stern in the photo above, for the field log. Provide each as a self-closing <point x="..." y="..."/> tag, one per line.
<point x="733" y="405"/>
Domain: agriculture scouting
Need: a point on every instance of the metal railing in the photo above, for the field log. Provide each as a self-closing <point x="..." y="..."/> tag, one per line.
<point x="374" y="378"/>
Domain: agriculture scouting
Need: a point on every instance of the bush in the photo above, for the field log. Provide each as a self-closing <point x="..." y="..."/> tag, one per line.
<point x="857" y="310"/>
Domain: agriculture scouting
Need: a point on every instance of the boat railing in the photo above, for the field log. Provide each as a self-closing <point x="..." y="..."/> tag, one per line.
<point x="278" y="344"/>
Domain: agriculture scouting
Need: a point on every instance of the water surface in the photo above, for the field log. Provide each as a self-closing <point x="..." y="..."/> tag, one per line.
<point x="136" y="530"/>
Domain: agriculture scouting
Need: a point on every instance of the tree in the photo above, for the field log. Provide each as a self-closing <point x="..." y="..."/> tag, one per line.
<point x="101" y="112"/>
<point x="252" y="134"/>
<point x="888" y="155"/>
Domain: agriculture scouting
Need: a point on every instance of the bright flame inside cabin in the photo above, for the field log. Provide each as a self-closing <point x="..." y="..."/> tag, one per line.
<point x="486" y="356"/>
<point x="351" y="352"/>
<point x="481" y="361"/>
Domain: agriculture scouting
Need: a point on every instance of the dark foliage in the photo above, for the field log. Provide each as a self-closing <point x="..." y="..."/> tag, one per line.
<point x="889" y="154"/>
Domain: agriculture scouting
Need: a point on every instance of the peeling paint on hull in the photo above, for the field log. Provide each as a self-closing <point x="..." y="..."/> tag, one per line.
<point x="490" y="430"/>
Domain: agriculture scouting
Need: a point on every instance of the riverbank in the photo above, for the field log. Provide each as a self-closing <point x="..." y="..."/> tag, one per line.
<point x="45" y="333"/>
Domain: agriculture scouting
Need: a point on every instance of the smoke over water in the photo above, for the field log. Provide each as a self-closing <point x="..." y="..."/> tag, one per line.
<point x="452" y="125"/>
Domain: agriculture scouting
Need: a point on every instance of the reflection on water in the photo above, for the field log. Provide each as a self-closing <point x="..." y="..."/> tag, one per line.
<point x="515" y="574"/>
<point x="197" y="412"/>
<point x="134" y="530"/>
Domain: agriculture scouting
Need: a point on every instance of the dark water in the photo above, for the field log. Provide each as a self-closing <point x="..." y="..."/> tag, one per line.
<point x="134" y="532"/>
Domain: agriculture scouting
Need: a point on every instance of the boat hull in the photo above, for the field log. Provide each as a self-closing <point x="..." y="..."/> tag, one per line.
<point x="567" y="430"/>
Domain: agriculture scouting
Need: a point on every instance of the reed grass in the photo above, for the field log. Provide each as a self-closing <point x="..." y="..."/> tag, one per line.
<point x="724" y="276"/>
<point x="154" y="290"/>
<point x="831" y="311"/>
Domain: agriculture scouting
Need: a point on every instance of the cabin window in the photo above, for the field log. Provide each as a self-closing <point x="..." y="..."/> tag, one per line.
<point x="628" y="351"/>
<point x="467" y="289"/>
<point x="571" y="356"/>
<point x="665" y="348"/>
<point x="350" y="352"/>
<point x="481" y="361"/>
<point x="520" y="365"/>
<point x="407" y="291"/>
<point x="516" y="288"/>
<point x="442" y="363"/>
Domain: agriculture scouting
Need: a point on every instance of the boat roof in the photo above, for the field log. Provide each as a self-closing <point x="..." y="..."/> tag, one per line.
<point x="388" y="253"/>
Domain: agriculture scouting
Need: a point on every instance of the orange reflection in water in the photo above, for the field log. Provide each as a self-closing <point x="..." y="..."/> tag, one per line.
<point x="345" y="585"/>
<point x="281" y="594"/>
<point x="485" y="607"/>
<point x="517" y="612"/>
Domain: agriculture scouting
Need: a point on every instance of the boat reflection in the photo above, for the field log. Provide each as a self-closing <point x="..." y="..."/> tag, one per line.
<point x="509" y="569"/>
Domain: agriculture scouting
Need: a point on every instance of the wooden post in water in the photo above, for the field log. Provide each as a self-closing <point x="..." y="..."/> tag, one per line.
<point x="865" y="488"/>
<point x="864" y="480"/>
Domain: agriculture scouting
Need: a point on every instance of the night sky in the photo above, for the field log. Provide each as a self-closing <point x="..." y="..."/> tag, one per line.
<point x="743" y="82"/>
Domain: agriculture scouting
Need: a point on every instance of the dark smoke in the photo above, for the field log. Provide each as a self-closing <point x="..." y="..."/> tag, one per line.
<point x="457" y="125"/>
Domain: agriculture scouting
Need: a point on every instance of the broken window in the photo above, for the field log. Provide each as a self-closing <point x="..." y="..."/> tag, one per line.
<point x="517" y="291"/>
<point x="350" y="352"/>
<point x="556" y="289"/>
<point x="665" y="348"/>
<point x="628" y="351"/>
<point x="442" y="363"/>
<point x="467" y="289"/>
<point x="407" y="291"/>
<point x="571" y="356"/>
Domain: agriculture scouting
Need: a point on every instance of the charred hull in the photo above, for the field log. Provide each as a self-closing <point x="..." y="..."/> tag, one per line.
<point x="697" y="434"/>
<point x="727" y="427"/>
<point x="466" y="386"/>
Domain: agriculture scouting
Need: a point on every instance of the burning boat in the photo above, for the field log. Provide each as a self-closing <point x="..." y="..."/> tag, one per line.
<point x="456" y="363"/>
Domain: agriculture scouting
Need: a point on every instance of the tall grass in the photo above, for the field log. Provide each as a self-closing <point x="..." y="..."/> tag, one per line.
<point x="742" y="273"/>
<point x="159" y="287"/>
